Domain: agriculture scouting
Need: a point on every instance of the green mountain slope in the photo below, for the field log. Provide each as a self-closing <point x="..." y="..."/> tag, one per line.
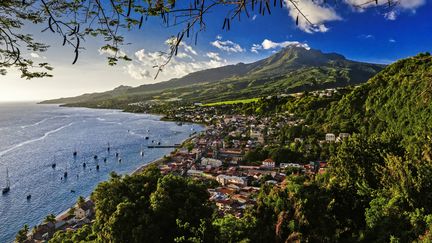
<point x="292" y="69"/>
<point x="397" y="101"/>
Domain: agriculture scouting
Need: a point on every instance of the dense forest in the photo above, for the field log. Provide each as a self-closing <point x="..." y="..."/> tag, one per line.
<point x="376" y="190"/>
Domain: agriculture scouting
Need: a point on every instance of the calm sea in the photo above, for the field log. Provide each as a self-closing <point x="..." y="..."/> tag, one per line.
<point x="33" y="137"/>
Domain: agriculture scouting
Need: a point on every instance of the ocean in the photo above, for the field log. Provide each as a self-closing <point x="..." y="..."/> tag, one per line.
<point x="34" y="137"/>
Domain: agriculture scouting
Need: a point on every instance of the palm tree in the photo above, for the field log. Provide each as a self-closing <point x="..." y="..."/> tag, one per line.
<point x="50" y="218"/>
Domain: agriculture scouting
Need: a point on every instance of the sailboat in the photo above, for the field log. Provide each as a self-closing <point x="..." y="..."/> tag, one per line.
<point x="75" y="153"/>
<point x="108" y="147"/>
<point x="65" y="174"/>
<point x="142" y="152"/>
<point x="53" y="165"/>
<point x="7" y="188"/>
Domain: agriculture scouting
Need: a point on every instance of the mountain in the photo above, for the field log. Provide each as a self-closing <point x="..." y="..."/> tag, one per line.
<point x="395" y="102"/>
<point x="292" y="69"/>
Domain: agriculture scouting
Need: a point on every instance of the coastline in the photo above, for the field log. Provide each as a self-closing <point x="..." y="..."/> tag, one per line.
<point x="140" y="167"/>
<point x="161" y="159"/>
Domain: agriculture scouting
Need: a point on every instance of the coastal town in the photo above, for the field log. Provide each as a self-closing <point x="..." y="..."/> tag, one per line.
<point x="216" y="155"/>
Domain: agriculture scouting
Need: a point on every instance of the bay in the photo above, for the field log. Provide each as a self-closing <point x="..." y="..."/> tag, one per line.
<point x="33" y="137"/>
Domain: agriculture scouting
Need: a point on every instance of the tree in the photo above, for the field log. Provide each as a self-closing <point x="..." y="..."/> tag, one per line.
<point x="51" y="218"/>
<point x="232" y="229"/>
<point x="22" y="234"/>
<point x="73" y="21"/>
<point x="150" y="208"/>
<point x="80" y="201"/>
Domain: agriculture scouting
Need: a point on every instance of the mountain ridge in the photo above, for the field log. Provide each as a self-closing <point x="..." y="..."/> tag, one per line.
<point x="287" y="63"/>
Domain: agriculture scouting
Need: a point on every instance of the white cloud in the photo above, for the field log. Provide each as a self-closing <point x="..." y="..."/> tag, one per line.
<point x="401" y="4"/>
<point x="268" y="44"/>
<point x="137" y="72"/>
<point x="110" y="52"/>
<point x="319" y="13"/>
<point x="218" y="37"/>
<point x="189" y="49"/>
<point x="254" y="17"/>
<point x="184" y="55"/>
<point x="143" y="65"/>
<point x="227" y="46"/>
<point x="315" y="11"/>
<point x="368" y="36"/>
<point x="214" y="56"/>
<point x="392" y="40"/>
<point x="392" y="15"/>
<point x="35" y="55"/>
<point x="255" y="48"/>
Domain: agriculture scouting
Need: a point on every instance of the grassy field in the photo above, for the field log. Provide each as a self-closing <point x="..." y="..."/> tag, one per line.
<point x="231" y="102"/>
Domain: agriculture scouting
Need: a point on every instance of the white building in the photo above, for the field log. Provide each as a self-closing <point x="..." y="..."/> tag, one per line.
<point x="225" y="179"/>
<point x="285" y="165"/>
<point x="330" y="137"/>
<point x="269" y="163"/>
<point x="211" y="162"/>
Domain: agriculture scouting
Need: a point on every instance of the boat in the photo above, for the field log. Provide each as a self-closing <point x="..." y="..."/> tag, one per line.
<point x="7" y="188"/>
<point x="72" y="191"/>
<point x="84" y="165"/>
<point x="117" y="154"/>
<point x="108" y="147"/>
<point x="28" y="197"/>
<point x="146" y="138"/>
<point x="159" y="143"/>
<point x="119" y="160"/>
<point x="65" y="174"/>
<point x="142" y="151"/>
<point x="179" y="123"/>
<point x="95" y="157"/>
<point x="53" y="165"/>
<point x="97" y="167"/>
<point x="105" y="160"/>
<point x="75" y="153"/>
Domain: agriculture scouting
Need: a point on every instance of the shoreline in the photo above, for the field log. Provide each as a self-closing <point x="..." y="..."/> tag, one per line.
<point x="161" y="159"/>
<point x="141" y="167"/>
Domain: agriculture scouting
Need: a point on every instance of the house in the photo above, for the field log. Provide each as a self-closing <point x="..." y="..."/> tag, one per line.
<point x="225" y="180"/>
<point x="211" y="162"/>
<point x="268" y="163"/>
<point x="64" y="219"/>
<point x="86" y="210"/>
<point x="330" y="137"/>
<point x="43" y="231"/>
<point x="285" y="165"/>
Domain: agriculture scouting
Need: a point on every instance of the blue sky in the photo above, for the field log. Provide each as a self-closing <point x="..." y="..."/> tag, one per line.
<point x="373" y="34"/>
